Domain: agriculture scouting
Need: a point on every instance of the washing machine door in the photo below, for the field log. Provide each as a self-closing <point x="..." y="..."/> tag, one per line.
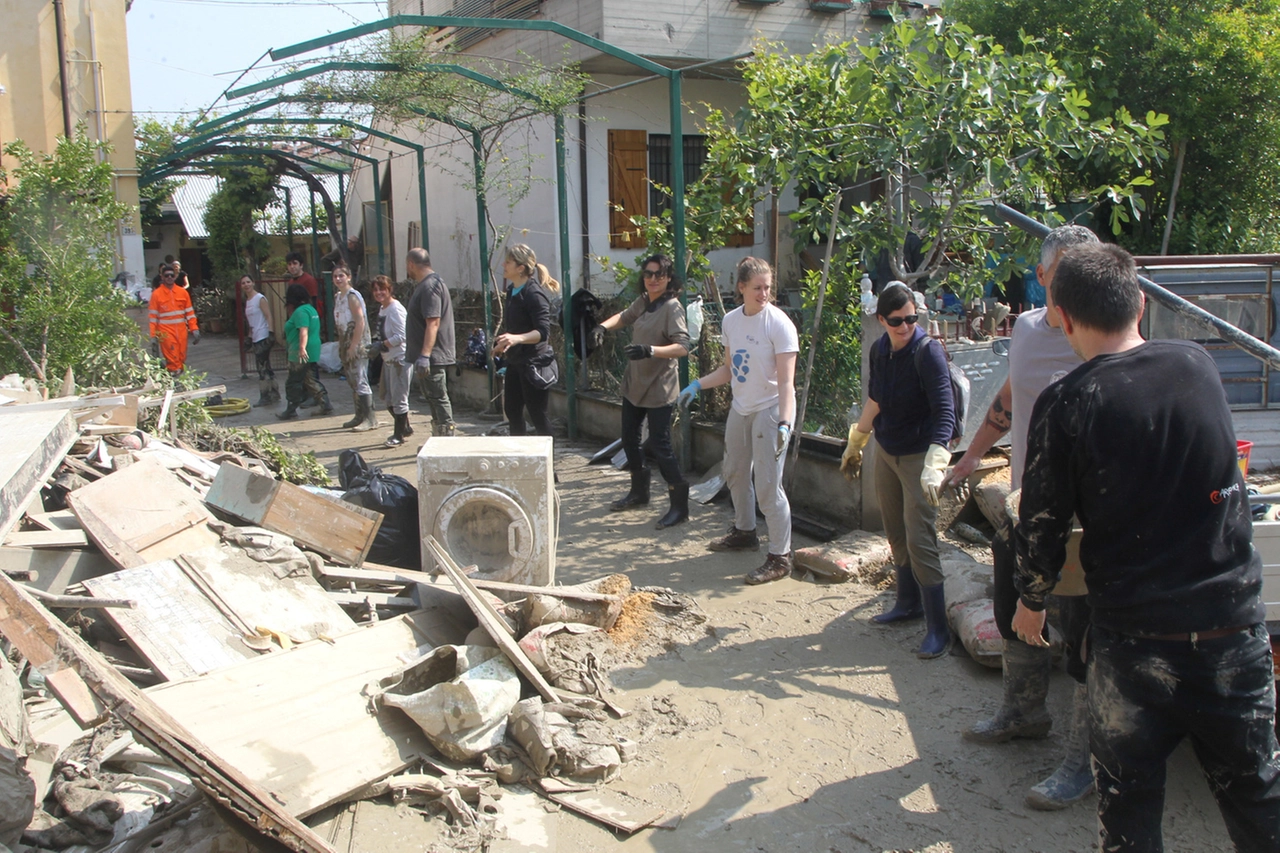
<point x="487" y="528"/>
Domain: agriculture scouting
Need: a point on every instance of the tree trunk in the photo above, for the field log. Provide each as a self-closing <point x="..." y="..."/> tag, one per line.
<point x="1181" y="146"/>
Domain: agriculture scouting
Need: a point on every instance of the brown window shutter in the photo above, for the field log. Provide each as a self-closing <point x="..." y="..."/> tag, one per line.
<point x="628" y="186"/>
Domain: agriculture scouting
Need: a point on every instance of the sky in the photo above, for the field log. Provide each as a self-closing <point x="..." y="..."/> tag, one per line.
<point x="184" y="53"/>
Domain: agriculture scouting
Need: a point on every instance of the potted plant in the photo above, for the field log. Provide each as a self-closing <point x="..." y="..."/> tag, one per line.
<point x="214" y="304"/>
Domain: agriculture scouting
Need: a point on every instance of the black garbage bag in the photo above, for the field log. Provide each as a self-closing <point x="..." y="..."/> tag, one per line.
<point x="397" y="542"/>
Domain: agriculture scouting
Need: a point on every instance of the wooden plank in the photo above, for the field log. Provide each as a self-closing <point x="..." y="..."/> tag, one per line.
<point x="377" y="599"/>
<point x="61" y="404"/>
<point x="296" y="606"/>
<point x="41" y="636"/>
<point x="54" y="570"/>
<point x="491" y="621"/>
<point x="46" y="539"/>
<point x="296" y="723"/>
<point x="336" y="529"/>
<point x="124" y="511"/>
<point x="611" y="808"/>
<point x="181" y="396"/>
<point x="34" y="445"/>
<point x="175" y="626"/>
<point x="63" y="519"/>
<point x="375" y="573"/>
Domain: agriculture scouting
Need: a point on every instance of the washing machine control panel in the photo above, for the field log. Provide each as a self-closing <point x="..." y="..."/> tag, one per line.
<point x="486" y="465"/>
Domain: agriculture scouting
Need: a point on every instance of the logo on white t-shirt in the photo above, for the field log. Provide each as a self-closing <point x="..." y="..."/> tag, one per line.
<point x="740" y="364"/>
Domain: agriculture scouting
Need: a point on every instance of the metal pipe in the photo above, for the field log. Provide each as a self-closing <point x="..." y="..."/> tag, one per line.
<point x="566" y="286"/>
<point x="676" y="105"/>
<point x="1229" y="333"/>
<point x="584" y="215"/>
<point x="1204" y="260"/>
<point x="653" y="77"/>
<point x="64" y="86"/>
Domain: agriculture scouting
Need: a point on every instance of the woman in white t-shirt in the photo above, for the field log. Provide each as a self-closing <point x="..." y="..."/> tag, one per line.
<point x="760" y="347"/>
<point x="352" y="322"/>
<point x="257" y="317"/>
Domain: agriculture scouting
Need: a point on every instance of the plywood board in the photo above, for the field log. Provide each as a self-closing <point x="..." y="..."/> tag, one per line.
<point x="296" y="723"/>
<point x="143" y="514"/>
<point x="46" y="539"/>
<point x="175" y="625"/>
<point x="34" y="444"/>
<point x="336" y="529"/>
<point x="250" y="590"/>
<point x="612" y="808"/>
<point x="63" y="519"/>
<point x="81" y="671"/>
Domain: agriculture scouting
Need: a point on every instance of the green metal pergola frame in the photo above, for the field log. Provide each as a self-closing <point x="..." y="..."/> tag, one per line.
<point x="676" y="109"/>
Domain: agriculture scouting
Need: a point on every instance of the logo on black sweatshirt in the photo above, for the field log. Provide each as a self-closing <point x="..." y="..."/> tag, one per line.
<point x="1222" y="494"/>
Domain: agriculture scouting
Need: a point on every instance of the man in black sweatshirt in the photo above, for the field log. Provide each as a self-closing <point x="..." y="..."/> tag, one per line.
<point x="1138" y="444"/>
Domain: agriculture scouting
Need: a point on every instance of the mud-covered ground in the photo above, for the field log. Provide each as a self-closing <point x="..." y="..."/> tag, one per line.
<point x="793" y="724"/>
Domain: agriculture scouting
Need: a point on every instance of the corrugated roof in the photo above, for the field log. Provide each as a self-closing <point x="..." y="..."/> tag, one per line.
<point x="192" y="198"/>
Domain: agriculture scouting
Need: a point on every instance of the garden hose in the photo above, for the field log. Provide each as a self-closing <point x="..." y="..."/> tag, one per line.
<point x="229" y="406"/>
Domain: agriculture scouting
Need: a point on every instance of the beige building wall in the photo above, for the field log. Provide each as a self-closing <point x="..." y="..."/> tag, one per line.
<point x="98" y="93"/>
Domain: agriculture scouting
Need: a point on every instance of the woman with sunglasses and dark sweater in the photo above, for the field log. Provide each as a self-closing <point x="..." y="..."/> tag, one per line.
<point x="911" y="412"/>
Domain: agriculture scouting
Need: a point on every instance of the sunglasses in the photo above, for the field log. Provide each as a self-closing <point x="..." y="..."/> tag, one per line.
<point x="651" y="273"/>
<point x="910" y="320"/>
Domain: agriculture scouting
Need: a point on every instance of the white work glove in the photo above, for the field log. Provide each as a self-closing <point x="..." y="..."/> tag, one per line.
<point x="851" y="460"/>
<point x="781" y="439"/>
<point x="936" y="460"/>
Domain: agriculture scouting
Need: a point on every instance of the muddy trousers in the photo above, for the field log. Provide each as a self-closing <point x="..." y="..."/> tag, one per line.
<point x="753" y="473"/>
<point x="262" y="358"/>
<point x="659" y="417"/>
<point x="1073" y="610"/>
<point x="302" y="383"/>
<point x="434" y="385"/>
<point x="910" y="522"/>
<point x="395" y="385"/>
<point x="1146" y="695"/>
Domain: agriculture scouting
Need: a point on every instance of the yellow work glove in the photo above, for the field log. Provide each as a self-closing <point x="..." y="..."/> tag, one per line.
<point x="851" y="461"/>
<point x="936" y="460"/>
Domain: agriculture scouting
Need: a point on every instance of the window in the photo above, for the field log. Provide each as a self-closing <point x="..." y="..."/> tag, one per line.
<point x="637" y="161"/>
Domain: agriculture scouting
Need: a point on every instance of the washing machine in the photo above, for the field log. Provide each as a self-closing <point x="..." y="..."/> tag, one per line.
<point x="490" y="501"/>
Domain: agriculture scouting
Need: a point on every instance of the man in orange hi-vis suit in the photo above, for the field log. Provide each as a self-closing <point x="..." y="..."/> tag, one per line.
<point x="171" y="319"/>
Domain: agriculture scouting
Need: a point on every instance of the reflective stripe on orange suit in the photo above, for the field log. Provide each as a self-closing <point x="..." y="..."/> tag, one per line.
<point x="171" y="317"/>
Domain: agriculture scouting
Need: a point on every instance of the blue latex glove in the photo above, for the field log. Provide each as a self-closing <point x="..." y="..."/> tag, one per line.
<point x="690" y="391"/>
<point x="422" y="362"/>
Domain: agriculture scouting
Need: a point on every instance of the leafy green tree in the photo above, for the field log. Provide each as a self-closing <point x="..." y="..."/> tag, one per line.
<point x="152" y="140"/>
<point x="949" y="122"/>
<point x="58" y="229"/>
<point x="1212" y="65"/>
<point x="235" y="245"/>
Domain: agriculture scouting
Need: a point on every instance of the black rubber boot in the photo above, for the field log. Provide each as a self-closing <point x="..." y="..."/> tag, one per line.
<point x="1026" y="685"/>
<point x="370" y="419"/>
<point x="679" y="497"/>
<point x="358" y="417"/>
<point x="639" y="494"/>
<point x="908" y="604"/>
<point x="397" y="437"/>
<point x="290" y="412"/>
<point x="937" y="638"/>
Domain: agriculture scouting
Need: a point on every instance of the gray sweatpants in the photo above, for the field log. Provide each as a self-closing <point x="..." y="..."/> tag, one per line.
<point x="748" y="451"/>
<point x="910" y="521"/>
<point x="395" y="385"/>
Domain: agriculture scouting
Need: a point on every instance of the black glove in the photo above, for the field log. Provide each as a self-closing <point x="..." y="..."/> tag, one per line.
<point x="635" y="352"/>
<point x="155" y="348"/>
<point x="595" y="338"/>
<point x="195" y="336"/>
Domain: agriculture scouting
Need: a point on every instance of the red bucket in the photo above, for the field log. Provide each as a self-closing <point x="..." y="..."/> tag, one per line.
<point x="1243" y="449"/>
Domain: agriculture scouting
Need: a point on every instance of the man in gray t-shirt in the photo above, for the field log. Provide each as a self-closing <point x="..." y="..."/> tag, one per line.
<point x="1039" y="355"/>
<point x="429" y="338"/>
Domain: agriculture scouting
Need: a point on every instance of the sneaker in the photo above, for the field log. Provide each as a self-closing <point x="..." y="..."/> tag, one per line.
<point x="394" y="441"/>
<point x="736" y="540"/>
<point x="776" y="567"/>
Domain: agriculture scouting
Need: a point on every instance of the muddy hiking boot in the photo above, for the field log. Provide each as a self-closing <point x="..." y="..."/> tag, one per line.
<point x="679" y="511"/>
<point x="776" y="567"/>
<point x="907" y="606"/>
<point x="1073" y="780"/>
<point x="639" y="493"/>
<point x="1022" y="712"/>
<point x="736" y="540"/>
<point x="267" y="392"/>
